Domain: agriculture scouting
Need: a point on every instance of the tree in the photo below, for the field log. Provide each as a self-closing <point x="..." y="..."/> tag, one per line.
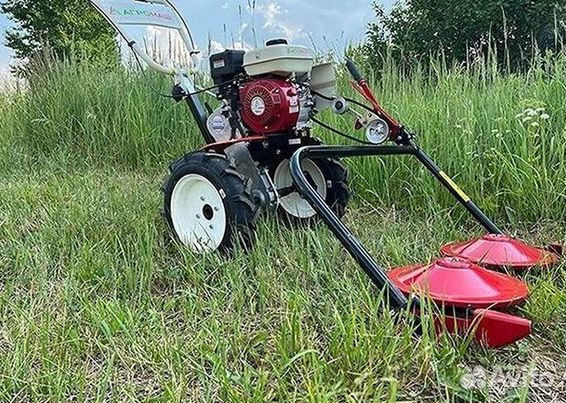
<point x="64" y="27"/>
<point x="460" y="29"/>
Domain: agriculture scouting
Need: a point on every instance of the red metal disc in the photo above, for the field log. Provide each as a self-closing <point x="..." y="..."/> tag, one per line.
<point x="460" y="283"/>
<point x="497" y="251"/>
<point x="493" y="329"/>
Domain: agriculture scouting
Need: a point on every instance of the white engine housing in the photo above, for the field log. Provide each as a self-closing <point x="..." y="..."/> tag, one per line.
<point x="280" y="59"/>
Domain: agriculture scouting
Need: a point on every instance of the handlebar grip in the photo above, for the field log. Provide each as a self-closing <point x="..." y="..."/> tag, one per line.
<point x="353" y="69"/>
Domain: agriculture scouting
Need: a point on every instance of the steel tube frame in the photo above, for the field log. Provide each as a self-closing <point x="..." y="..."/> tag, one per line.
<point x="361" y="255"/>
<point x="194" y="103"/>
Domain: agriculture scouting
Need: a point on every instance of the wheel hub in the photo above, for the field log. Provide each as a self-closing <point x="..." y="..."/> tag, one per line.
<point x="291" y="201"/>
<point x="208" y="212"/>
<point x="198" y="213"/>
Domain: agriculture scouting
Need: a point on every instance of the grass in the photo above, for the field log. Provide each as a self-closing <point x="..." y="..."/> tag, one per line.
<point x="97" y="304"/>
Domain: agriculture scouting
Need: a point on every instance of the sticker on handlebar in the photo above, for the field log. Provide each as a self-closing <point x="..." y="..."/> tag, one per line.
<point x="455" y="187"/>
<point x="128" y="12"/>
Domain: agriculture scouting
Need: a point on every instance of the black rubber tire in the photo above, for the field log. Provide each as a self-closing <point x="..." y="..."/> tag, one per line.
<point x="338" y="191"/>
<point x="241" y="209"/>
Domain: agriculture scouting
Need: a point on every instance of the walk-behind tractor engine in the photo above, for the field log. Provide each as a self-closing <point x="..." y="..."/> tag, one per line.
<point x="264" y="99"/>
<point x="268" y="97"/>
<point x="259" y="156"/>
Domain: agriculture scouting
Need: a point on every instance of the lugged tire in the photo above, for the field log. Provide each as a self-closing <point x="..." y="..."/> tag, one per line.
<point x="235" y="191"/>
<point x="338" y="193"/>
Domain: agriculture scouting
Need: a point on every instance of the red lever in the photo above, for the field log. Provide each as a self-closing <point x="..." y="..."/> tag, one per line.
<point x="363" y="88"/>
<point x="360" y="84"/>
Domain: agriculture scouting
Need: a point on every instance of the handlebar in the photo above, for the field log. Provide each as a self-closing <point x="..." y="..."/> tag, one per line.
<point x="155" y="13"/>
<point x="353" y="69"/>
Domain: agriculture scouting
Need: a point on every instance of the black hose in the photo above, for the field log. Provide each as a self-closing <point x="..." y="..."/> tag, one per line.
<point x="341" y="133"/>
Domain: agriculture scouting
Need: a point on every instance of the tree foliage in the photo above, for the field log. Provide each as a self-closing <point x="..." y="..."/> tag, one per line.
<point x="64" y="27"/>
<point x="465" y="28"/>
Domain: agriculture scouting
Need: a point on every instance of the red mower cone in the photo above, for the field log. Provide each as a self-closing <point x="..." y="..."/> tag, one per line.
<point x="492" y="329"/>
<point x="498" y="251"/>
<point x="459" y="283"/>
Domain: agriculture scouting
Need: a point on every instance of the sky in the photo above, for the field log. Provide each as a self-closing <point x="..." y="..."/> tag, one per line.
<point x="325" y="24"/>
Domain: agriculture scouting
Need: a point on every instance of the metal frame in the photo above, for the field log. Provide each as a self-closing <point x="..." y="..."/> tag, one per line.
<point x="354" y="247"/>
<point x="185" y="33"/>
<point x="492" y="328"/>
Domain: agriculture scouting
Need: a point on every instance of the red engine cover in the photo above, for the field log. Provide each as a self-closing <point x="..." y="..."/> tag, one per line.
<point x="269" y="105"/>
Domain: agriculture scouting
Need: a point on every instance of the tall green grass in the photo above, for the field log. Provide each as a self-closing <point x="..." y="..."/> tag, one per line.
<point x="97" y="305"/>
<point x="502" y="136"/>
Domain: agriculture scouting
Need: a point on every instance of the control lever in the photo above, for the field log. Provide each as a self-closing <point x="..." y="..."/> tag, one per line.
<point x="354" y="72"/>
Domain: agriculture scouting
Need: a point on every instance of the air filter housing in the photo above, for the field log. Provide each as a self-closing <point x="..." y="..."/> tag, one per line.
<point x="278" y="58"/>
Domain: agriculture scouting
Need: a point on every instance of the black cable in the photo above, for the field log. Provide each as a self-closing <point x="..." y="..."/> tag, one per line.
<point x="340" y="133"/>
<point x="147" y="81"/>
<point x="334" y="130"/>
<point x="157" y="92"/>
<point x="320" y="95"/>
<point x="367" y="108"/>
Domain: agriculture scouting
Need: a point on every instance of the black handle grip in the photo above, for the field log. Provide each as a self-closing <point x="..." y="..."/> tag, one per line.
<point x="353" y="69"/>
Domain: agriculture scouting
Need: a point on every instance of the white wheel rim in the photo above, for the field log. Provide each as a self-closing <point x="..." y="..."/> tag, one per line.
<point x="294" y="204"/>
<point x="198" y="213"/>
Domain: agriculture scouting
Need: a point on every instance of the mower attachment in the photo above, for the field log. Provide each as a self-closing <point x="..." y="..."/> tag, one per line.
<point x="499" y="251"/>
<point x="460" y="283"/>
<point x="495" y="250"/>
<point x="490" y="328"/>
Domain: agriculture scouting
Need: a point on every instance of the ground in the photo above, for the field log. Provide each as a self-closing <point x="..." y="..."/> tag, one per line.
<point x="98" y="304"/>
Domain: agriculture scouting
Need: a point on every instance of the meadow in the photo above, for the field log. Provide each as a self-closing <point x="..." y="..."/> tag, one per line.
<point x="98" y="304"/>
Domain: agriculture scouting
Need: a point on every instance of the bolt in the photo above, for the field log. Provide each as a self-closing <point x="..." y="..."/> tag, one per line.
<point x="198" y="216"/>
<point x="202" y="198"/>
<point x="211" y="227"/>
<point x="216" y="208"/>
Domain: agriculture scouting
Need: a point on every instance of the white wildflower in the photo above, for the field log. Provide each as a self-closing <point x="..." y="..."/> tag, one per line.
<point x="531" y="112"/>
<point x="545" y="116"/>
<point x="535" y="124"/>
<point x="527" y="118"/>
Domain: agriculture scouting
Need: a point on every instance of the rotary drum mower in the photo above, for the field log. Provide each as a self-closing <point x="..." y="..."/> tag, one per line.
<point x="259" y="155"/>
